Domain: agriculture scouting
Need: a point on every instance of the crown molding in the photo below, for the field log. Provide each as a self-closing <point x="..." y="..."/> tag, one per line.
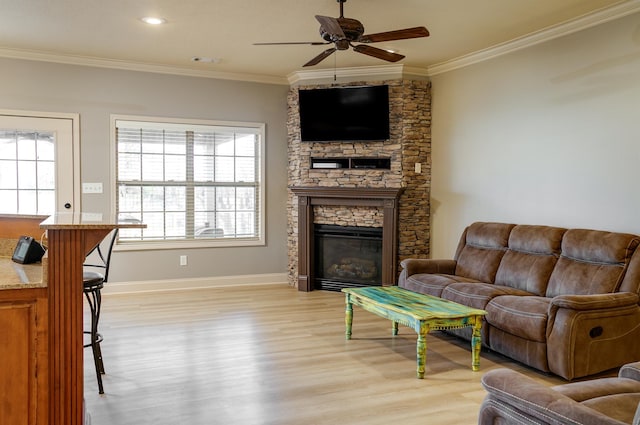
<point x="136" y="66"/>
<point x="602" y="16"/>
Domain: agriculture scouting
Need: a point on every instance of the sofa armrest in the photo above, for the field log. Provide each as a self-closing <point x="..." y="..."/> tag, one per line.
<point x="630" y="370"/>
<point x="420" y="265"/>
<point x="513" y="393"/>
<point x="594" y="302"/>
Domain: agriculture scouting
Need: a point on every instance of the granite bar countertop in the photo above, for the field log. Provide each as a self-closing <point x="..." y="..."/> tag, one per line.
<point x="22" y="276"/>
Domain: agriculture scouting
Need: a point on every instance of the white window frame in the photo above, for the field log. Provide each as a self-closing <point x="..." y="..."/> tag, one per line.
<point x="192" y="243"/>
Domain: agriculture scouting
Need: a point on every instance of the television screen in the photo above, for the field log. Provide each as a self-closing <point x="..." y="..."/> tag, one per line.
<point x="344" y="114"/>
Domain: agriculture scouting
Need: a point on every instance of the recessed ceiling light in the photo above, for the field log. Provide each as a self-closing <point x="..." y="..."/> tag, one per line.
<point x="153" y="21"/>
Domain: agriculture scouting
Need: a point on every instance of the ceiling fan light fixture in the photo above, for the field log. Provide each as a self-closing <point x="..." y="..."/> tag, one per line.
<point x="152" y="20"/>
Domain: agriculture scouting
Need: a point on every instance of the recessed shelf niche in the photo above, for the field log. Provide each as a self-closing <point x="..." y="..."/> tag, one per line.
<point x="363" y="163"/>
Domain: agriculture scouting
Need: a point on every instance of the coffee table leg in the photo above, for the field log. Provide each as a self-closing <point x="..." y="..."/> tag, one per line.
<point x="476" y="344"/>
<point x="348" y="317"/>
<point x="421" y="350"/>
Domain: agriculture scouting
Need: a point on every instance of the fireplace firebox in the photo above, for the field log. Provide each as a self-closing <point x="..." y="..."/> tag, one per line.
<point x="347" y="256"/>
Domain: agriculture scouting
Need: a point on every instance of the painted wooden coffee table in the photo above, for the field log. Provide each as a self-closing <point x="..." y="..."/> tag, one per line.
<point x="420" y="312"/>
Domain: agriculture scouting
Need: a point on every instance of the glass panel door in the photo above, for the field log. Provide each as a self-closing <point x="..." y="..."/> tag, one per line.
<point x="38" y="165"/>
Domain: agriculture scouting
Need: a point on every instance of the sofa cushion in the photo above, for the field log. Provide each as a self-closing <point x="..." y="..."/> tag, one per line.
<point x="477" y="295"/>
<point x="525" y="317"/>
<point x="431" y="284"/>
<point x="586" y="390"/>
<point x="617" y="406"/>
<point x="481" y="249"/>
<point x="592" y="262"/>
<point x="532" y="254"/>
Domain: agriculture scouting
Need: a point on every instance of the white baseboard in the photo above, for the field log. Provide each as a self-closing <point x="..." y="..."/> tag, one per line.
<point x="194" y="283"/>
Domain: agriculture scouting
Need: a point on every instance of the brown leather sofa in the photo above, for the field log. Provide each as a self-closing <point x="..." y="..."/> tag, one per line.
<point x="560" y="300"/>
<point x="513" y="398"/>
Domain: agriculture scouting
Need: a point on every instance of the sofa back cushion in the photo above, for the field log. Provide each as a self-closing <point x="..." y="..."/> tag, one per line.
<point x="592" y="262"/>
<point x="480" y="250"/>
<point x="532" y="254"/>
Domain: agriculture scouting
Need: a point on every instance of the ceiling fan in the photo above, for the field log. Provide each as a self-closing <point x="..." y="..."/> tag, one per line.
<point x="343" y="32"/>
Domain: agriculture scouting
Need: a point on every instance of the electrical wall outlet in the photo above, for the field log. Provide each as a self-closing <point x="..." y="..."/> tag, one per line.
<point x="418" y="168"/>
<point x="91" y="187"/>
<point x="183" y="260"/>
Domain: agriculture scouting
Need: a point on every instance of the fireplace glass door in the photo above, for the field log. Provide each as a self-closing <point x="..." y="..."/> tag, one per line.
<point x="347" y="256"/>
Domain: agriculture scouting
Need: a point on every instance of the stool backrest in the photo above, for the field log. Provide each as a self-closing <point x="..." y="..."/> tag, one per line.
<point x="100" y="256"/>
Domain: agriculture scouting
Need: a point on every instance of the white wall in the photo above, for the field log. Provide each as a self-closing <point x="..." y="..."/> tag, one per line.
<point x="96" y="93"/>
<point x="546" y="135"/>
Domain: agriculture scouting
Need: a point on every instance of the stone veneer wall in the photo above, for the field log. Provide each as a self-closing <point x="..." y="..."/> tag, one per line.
<point x="409" y="143"/>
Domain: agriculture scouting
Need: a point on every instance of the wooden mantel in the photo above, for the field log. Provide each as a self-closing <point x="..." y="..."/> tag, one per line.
<point x="308" y="197"/>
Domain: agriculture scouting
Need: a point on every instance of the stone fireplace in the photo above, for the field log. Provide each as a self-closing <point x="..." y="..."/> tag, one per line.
<point x="384" y="184"/>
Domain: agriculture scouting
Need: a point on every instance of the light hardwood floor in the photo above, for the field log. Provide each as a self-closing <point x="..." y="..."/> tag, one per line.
<point x="269" y="354"/>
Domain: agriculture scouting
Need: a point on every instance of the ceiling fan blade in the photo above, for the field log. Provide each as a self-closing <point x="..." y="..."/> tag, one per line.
<point x="377" y="53"/>
<point x="312" y="43"/>
<point x="320" y="57"/>
<point x="404" y="34"/>
<point x="331" y="26"/>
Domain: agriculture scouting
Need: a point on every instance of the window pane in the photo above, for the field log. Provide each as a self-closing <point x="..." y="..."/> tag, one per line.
<point x="8" y="175"/>
<point x="26" y="175"/>
<point x="203" y="143"/>
<point x="245" y="224"/>
<point x="129" y="199"/>
<point x="245" y="170"/>
<point x="26" y="145"/>
<point x="7" y="144"/>
<point x="176" y="168"/>
<point x="153" y="198"/>
<point x="129" y="140"/>
<point x="175" y="225"/>
<point x="224" y="169"/>
<point x="155" y="225"/>
<point x="226" y="221"/>
<point x="226" y="199"/>
<point x="245" y="200"/>
<point x="205" y="199"/>
<point x="46" y="175"/>
<point x="203" y="168"/>
<point x="175" y="143"/>
<point x="27" y="202"/>
<point x="152" y="141"/>
<point x="152" y="167"/>
<point x="129" y="167"/>
<point x="246" y="145"/>
<point x="8" y="201"/>
<point x="46" y="202"/>
<point x="45" y="147"/>
<point x="175" y="199"/>
<point x="224" y="144"/>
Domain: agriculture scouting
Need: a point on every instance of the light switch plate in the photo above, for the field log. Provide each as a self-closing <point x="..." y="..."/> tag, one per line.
<point x="91" y="187"/>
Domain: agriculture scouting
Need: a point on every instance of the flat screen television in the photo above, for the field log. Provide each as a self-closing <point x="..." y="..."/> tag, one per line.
<point x="358" y="113"/>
